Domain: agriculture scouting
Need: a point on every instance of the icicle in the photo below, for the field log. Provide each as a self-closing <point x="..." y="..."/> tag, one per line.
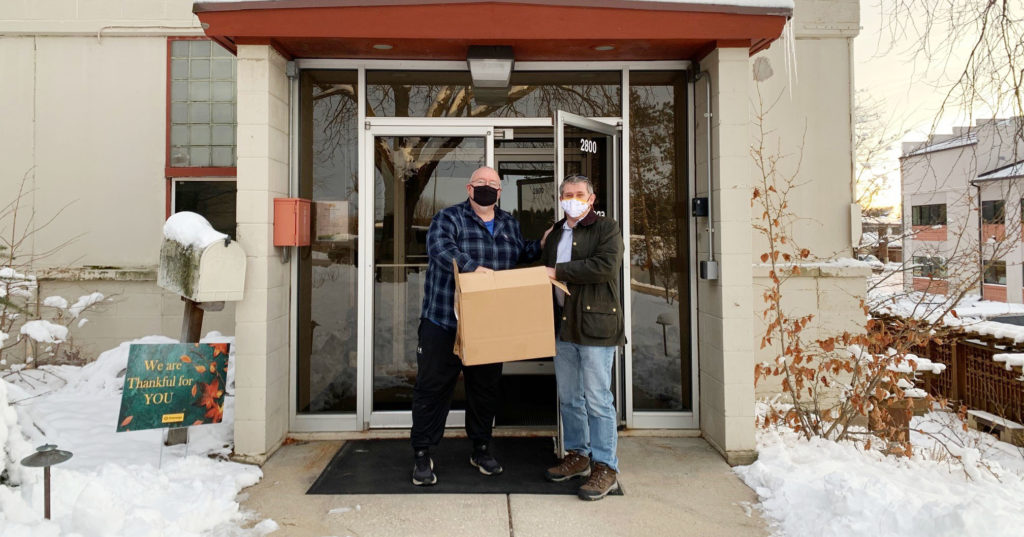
<point x="789" y="52"/>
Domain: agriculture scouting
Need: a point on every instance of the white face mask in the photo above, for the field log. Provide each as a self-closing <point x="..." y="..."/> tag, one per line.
<point x="574" y="207"/>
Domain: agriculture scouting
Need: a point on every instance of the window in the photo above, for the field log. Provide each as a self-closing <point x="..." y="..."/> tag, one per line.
<point x="929" y="215"/>
<point x="929" y="267"/>
<point x="214" y="199"/>
<point x="992" y="212"/>
<point x="995" y="272"/>
<point x="202" y="106"/>
<point x="201" y="115"/>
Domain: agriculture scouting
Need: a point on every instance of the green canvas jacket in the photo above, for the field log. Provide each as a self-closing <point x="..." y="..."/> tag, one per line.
<point x="592" y="314"/>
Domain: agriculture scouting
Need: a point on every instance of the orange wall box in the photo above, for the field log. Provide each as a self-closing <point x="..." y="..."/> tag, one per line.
<point x="291" y="222"/>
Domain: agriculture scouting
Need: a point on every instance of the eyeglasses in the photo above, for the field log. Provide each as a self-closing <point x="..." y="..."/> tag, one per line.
<point x="492" y="184"/>
<point x="582" y="196"/>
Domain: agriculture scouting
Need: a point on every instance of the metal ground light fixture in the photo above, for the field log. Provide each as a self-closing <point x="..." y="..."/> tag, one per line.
<point x="46" y="456"/>
<point x="665" y="320"/>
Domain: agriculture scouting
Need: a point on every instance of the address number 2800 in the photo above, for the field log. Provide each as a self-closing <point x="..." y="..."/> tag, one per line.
<point x="588" y="146"/>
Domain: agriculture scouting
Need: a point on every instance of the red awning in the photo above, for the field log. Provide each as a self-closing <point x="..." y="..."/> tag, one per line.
<point x="556" y="30"/>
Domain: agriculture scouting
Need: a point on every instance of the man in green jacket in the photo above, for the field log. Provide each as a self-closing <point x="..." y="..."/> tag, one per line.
<point x="585" y="251"/>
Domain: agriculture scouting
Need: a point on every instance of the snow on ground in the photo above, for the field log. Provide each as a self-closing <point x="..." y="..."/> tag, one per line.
<point x="887" y="295"/>
<point x="116" y="484"/>
<point x="831" y="489"/>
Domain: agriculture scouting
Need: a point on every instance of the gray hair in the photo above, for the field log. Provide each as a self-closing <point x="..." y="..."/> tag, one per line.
<point x="574" y="179"/>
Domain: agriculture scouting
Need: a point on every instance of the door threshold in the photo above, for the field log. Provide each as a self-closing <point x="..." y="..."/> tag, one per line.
<point x="378" y="434"/>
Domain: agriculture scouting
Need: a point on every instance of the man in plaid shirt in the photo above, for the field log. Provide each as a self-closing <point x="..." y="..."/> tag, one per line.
<point x="480" y="238"/>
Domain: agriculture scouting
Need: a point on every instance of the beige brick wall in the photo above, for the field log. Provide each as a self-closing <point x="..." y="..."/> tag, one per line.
<point x="832" y="294"/>
<point x="262" y="323"/>
<point x="724" y="308"/>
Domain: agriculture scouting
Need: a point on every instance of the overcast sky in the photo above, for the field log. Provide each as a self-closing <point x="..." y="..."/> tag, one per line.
<point x="905" y="87"/>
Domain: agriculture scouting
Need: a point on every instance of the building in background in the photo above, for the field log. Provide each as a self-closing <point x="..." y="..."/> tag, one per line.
<point x="962" y="212"/>
<point x="377" y="111"/>
<point x="881" y="237"/>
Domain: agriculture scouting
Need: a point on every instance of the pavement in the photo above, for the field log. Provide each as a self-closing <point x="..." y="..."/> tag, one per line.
<point x="673" y="486"/>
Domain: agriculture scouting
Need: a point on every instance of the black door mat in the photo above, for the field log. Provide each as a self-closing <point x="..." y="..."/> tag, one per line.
<point x="385" y="467"/>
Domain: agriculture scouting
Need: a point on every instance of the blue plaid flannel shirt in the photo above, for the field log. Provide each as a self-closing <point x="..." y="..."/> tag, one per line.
<point x="458" y="233"/>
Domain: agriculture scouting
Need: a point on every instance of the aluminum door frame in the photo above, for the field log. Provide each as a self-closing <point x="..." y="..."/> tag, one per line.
<point x="615" y="203"/>
<point x="392" y="419"/>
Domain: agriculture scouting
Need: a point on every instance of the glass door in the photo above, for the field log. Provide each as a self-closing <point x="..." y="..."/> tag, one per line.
<point x="592" y="148"/>
<point x="413" y="172"/>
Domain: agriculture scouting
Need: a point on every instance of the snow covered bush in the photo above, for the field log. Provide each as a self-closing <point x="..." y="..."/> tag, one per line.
<point x="32" y="329"/>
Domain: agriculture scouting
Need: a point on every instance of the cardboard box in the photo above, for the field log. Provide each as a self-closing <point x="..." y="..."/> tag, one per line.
<point x="504" y="316"/>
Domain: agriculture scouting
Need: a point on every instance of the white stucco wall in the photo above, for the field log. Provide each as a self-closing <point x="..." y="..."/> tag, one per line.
<point x="83" y="97"/>
<point x="807" y="113"/>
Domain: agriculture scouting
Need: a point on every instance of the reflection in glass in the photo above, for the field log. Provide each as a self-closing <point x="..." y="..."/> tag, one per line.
<point x="214" y="200"/>
<point x="658" y="290"/>
<point x="531" y="94"/>
<point x="527" y="170"/>
<point x="328" y="174"/>
<point x="589" y="153"/>
<point x="414" y="177"/>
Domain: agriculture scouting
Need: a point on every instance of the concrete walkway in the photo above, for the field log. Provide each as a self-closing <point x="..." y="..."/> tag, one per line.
<point x="673" y="486"/>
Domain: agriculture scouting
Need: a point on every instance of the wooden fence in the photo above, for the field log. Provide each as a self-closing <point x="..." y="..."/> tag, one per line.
<point x="973" y="377"/>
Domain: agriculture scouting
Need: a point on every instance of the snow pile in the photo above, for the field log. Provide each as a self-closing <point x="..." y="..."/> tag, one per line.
<point x="909" y="364"/>
<point x="116" y="483"/>
<point x="1011" y="359"/>
<point x="58" y="302"/>
<point x="16" y="284"/>
<point x="995" y="329"/>
<point x="191" y="230"/>
<point x="869" y="238"/>
<point x="15" y="447"/>
<point x="841" y="262"/>
<point x="829" y="489"/>
<point x="84" y="302"/>
<point x="44" y="331"/>
<point x="924" y="364"/>
<point x="969" y="311"/>
<point x="974" y="306"/>
<point x="970" y="314"/>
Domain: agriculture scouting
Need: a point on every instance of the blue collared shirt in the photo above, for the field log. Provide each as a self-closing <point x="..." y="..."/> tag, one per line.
<point x="458" y="233"/>
<point x="563" y="254"/>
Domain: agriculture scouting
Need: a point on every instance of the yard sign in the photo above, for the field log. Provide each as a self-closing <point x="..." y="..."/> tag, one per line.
<point x="173" y="385"/>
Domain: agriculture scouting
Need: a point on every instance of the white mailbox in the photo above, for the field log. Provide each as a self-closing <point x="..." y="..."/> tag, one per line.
<point x="200" y="263"/>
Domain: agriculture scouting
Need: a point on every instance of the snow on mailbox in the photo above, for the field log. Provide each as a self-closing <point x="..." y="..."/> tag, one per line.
<point x="198" y="262"/>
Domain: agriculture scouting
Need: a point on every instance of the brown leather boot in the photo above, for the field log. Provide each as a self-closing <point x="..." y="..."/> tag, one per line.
<point x="574" y="464"/>
<point x="602" y="481"/>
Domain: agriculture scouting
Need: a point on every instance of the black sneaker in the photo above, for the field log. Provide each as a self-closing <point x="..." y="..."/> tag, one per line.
<point x="482" y="460"/>
<point x="423" y="470"/>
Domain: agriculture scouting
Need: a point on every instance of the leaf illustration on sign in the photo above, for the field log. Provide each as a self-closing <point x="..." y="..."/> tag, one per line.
<point x="173" y="385"/>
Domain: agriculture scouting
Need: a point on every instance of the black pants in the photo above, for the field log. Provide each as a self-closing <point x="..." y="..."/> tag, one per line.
<point x="438" y="370"/>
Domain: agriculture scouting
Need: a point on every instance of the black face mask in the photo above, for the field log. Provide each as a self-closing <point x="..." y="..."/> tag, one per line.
<point x="485" y="195"/>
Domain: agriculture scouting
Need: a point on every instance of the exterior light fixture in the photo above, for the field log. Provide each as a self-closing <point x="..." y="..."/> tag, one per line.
<point x="604" y="48"/>
<point x="490" y="67"/>
<point x="46" y="456"/>
<point x="383" y="46"/>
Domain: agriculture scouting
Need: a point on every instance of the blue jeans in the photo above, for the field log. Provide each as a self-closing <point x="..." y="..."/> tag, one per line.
<point x="589" y="421"/>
